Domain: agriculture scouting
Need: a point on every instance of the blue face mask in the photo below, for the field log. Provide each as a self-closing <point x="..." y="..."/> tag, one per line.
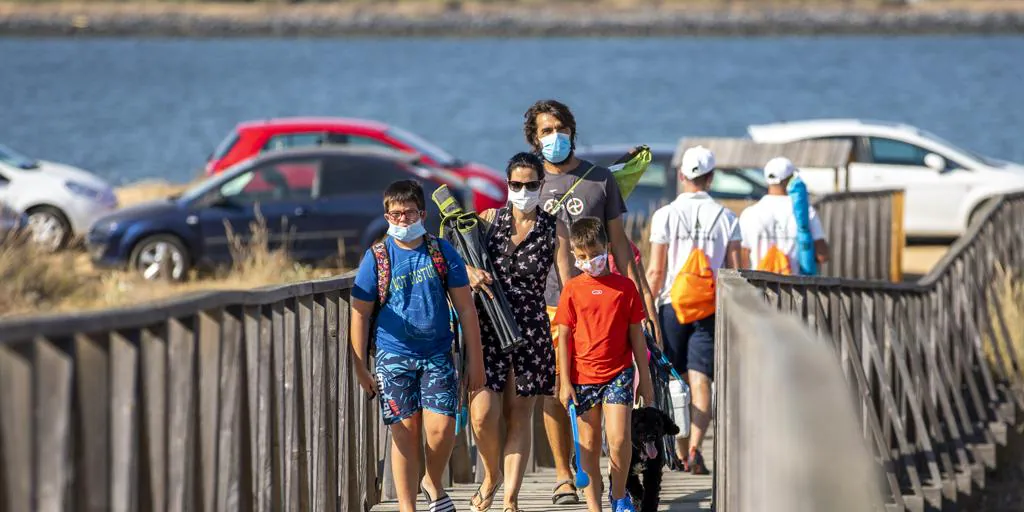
<point x="406" y="233"/>
<point x="556" y="147"/>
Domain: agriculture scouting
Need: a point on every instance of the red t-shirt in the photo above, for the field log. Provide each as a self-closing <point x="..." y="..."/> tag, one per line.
<point x="599" y="311"/>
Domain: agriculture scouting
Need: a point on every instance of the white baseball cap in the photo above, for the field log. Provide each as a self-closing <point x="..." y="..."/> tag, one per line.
<point x="697" y="161"/>
<point x="777" y="170"/>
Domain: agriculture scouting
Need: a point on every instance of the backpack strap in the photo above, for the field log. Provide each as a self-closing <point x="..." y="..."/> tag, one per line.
<point x="437" y="258"/>
<point x="380" y="254"/>
<point x="695" y="224"/>
<point x="558" y="205"/>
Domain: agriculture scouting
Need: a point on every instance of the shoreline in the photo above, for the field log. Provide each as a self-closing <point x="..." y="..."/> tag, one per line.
<point x="442" y="20"/>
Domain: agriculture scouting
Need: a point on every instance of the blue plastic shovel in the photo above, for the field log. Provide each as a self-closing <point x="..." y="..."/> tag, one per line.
<point x="582" y="479"/>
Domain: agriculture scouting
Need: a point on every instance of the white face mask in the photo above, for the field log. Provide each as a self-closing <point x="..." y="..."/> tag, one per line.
<point x="594" y="266"/>
<point x="524" y="200"/>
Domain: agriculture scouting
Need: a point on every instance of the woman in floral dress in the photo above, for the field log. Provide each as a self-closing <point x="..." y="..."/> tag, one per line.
<point x="523" y="242"/>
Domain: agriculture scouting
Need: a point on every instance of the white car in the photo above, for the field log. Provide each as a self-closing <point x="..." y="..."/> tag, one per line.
<point x="945" y="184"/>
<point x="61" y="201"/>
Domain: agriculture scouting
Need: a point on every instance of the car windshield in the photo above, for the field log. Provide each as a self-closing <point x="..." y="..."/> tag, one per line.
<point x="201" y="188"/>
<point x="13" y="158"/>
<point x="981" y="158"/>
<point x="755" y="175"/>
<point x="225" y="146"/>
<point x="422" y="146"/>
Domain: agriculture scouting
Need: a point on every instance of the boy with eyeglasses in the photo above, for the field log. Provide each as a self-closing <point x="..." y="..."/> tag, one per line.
<point x="409" y="316"/>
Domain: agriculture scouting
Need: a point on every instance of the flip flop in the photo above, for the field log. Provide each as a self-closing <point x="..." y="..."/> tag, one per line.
<point x="564" y="498"/>
<point x="442" y="504"/>
<point x="489" y="498"/>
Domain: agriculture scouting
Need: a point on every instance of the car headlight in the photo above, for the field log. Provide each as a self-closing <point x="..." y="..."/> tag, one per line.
<point x="486" y="188"/>
<point x="82" y="190"/>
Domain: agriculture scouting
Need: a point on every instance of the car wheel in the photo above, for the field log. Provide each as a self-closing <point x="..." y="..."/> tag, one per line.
<point x="48" y="228"/>
<point x="160" y="257"/>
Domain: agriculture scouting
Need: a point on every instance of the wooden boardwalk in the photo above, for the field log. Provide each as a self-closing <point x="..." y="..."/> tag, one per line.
<point x="681" y="492"/>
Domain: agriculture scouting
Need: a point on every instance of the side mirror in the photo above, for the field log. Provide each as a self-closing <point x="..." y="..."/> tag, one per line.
<point x="935" y="162"/>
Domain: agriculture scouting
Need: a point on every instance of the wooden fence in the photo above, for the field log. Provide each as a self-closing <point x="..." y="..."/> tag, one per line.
<point x="237" y="400"/>
<point x="930" y="404"/>
<point x="223" y="401"/>
<point x="864" y="230"/>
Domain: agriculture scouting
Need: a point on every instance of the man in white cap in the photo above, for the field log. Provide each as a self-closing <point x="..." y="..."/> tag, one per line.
<point x="691" y="238"/>
<point x="769" y="227"/>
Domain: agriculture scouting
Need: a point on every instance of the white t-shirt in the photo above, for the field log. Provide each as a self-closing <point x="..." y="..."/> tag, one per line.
<point x="771" y="222"/>
<point x="673" y="225"/>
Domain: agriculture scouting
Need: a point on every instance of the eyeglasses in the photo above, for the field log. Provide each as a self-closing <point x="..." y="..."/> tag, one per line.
<point x="398" y="215"/>
<point x="516" y="186"/>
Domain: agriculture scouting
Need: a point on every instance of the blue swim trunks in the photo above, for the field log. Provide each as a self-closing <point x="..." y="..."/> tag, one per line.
<point x="408" y="385"/>
<point x="616" y="391"/>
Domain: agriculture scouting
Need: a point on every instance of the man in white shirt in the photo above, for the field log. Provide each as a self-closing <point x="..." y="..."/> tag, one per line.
<point x="771" y="221"/>
<point x="693" y="220"/>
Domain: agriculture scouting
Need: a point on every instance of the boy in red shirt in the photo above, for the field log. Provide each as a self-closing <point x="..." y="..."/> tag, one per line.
<point x="599" y="315"/>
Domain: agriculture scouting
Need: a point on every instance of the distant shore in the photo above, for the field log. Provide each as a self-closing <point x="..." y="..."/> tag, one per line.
<point x="468" y="19"/>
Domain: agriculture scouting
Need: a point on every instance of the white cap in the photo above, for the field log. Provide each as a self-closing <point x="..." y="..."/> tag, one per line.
<point x="777" y="170"/>
<point x="697" y="161"/>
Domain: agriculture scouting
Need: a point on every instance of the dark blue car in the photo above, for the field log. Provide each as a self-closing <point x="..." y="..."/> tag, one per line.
<point x="312" y="201"/>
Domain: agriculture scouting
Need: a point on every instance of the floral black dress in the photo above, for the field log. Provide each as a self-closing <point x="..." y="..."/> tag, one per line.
<point x="522" y="271"/>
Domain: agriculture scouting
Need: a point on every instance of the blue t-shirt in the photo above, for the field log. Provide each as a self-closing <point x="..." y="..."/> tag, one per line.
<point x="415" y="322"/>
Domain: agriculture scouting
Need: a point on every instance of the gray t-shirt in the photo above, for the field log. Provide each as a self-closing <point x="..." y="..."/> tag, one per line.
<point x="597" y="195"/>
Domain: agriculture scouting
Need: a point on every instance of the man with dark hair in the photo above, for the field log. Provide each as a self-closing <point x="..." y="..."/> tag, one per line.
<point x="575" y="188"/>
<point x="402" y="291"/>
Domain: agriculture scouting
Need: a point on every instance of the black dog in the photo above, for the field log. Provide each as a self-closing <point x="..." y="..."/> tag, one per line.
<point x="649" y="428"/>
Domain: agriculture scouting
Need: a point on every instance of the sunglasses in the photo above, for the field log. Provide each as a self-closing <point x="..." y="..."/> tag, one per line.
<point x="516" y="186"/>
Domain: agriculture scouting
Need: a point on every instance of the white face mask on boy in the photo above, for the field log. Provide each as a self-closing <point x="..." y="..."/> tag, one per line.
<point x="594" y="266"/>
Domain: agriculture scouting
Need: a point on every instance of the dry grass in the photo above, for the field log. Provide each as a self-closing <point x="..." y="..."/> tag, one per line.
<point x="919" y="259"/>
<point x="34" y="283"/>
<point x="148" y="190"/>
<point x="1010" y="288"/>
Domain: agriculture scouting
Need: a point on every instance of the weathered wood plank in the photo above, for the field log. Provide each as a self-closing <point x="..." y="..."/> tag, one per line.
<point x="153" y="440"/>
<point x="92" y="395"/>
<point x="333" y="347"/>
<point x="260" y="407"/>
<point x="304" y="398"/>
<point x="124" y="365"/>
<point x="318" y="402"/>
<point x="346" y="411"/>
<point x="15" y="431"/>
<point x="280" y="412"/>
<point x="179" y="415"/>
<point x="229" y="428"/>
<point x="681" y="492"/>
<point x="209" y="396"/>
<point x="52" y="375"/>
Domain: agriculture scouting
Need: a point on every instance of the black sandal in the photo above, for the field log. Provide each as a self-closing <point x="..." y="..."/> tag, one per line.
<point x="565" y="498"/>
<point x="442" y="504"/>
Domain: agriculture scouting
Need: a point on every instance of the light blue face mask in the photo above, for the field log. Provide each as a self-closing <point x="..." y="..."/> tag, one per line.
<point x="556" y="147"/>
<point x="406" y="233"/>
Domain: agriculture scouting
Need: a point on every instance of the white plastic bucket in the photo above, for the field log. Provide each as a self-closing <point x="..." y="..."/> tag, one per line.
<point x="679" y="392"/>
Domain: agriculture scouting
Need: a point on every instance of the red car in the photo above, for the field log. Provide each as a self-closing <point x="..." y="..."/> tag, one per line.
<point x="254" y="137"/>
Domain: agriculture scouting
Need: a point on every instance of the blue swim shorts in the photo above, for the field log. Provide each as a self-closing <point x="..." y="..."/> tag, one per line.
<point x="408" y="385"/>
<point x="616" y="391"/>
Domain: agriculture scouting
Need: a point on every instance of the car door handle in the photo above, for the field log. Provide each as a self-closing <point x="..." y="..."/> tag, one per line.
<point x="300" y="211"/>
